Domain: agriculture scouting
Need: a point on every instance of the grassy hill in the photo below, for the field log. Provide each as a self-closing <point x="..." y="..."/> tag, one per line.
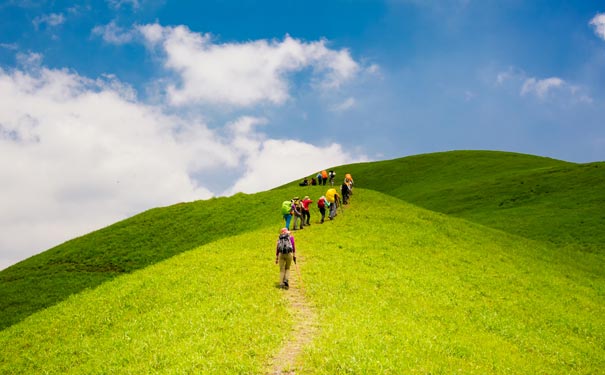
<point x="536" y="197"/>
<point x="532" y="285"/>
<point x="397" y="289"/>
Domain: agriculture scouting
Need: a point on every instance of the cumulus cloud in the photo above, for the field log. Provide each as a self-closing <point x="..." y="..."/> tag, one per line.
<point x="77" y="154"/>
<point x="545" y="89"/>
<point x="52" y="20"/>
<point x="269" y="163"/>
<point x="542" y="87"/>
<point x="243" y="74"/>
<point x="114" y="34"/>
<point x="117" y="4"/>
<point x="598" y="24"/>
<point x="345" y="105"/>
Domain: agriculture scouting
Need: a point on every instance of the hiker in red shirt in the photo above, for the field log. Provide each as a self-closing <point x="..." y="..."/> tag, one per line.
<point x="306" y="214"/>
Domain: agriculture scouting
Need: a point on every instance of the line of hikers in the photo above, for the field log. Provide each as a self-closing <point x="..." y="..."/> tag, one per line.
<point x="285" y="252"/>
<point x="322" y="178"/>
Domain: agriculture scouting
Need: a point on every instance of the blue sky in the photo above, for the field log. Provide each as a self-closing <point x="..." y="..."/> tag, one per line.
<point x="109" y="108"/>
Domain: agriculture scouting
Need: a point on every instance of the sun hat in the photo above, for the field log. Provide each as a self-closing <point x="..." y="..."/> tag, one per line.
<point x="306" y="197"/>
<point x="284" y="231"/>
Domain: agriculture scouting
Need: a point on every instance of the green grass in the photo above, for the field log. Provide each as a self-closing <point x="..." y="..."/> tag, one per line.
<point x="424" y="293"/>
<point x="212" y="310"/>
<point x="502" y="274"/>
<point x="129" y="245"/>
<point x="421" y="293"/>
<point x="538" y="198"/>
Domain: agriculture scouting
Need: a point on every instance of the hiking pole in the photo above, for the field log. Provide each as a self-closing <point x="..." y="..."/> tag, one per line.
<point x="302" y="287"/>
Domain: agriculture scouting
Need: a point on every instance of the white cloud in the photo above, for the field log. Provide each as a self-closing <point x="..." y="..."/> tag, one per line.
<point x="273" y="162"/>
<point x="9" y="46"/>
<point x="117" y="4"/>
<point x="78" y="154"/>
<point x="75" y="157"/>
<point x="243" y="74"/>
<point x="345" y="105"/>
<point x="52" y="20"/>
<point x="542" y="87"/>
<point x="598" y="24"/>
<point x="546" y="89"/>
<point x="114" y="34"/>
<point x="29" y="60"/>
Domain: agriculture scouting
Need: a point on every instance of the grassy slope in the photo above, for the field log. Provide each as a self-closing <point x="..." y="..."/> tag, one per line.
<point x="421" y="293"/>
<point x="535" y="197"/>
<point x="502" y="190"/>
<point x="129" y="245"/>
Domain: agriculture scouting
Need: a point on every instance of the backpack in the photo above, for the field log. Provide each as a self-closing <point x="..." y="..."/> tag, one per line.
<point x="286" y="206"/>
<point x="321" y="203"/>
<point x="299" y="208"/>
<point x="283" y="244"/>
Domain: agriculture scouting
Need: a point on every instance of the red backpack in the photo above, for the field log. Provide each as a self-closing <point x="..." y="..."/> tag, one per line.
<point x="321" y="203"/>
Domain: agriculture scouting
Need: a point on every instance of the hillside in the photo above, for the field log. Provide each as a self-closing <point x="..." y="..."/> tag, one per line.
<point x="396" y="289"/>
<point x="538" y="198"/>
<point x="535" y="197"/>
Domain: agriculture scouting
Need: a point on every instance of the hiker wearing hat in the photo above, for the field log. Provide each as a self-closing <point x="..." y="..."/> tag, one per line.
<point x="285" y="253"/>
<point x="306" y="214"/>
<point x="297" y="211"/>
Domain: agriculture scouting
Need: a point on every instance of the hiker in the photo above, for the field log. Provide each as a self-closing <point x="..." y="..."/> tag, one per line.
<point x="285" y="253"/>
<point x="332" y="176"/>
<point x="306" y="214"/>
<point x="313" y="181"/>
<point x="333" y="198"/>
<point x="322" y="202"/>
<point x="297" y="211"/>
<point x="346" y="191"/>
<point x="324" y="176"/>
<point x="349" y="182"/>
<point x="319" y="179"/>
<point x="304" y="182"/>
<point x="286" y="211"/>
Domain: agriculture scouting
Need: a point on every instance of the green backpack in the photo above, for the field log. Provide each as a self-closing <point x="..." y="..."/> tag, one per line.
<point x="286" y="207"/>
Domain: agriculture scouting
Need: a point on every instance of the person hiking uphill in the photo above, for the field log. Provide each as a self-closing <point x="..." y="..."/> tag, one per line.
<point x="334" y="200"/>
<point x="286" y="211"/>
<point x="297" y="211"/>
<point x="322" y="202"/>
<point x="346" y="191"/>
<point x="285" y="253"/>
<point x="306" y="214"/>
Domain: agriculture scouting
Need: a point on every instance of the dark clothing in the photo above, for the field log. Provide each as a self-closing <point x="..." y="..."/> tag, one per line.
<point x="322" y="211"/>
<point x="345" y="193"/>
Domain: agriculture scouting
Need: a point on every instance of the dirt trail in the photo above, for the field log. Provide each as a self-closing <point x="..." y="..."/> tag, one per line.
<point x="303" y="331"/>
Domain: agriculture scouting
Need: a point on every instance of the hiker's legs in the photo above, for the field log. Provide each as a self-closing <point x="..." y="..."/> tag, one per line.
<point x="285" y="261"/>
<point x="322" y="211"/>
<point x="307" y="217"/>
<point x="287" y="218"/>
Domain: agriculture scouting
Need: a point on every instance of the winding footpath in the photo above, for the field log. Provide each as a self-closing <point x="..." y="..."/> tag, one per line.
<point x="286" y="362"/>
